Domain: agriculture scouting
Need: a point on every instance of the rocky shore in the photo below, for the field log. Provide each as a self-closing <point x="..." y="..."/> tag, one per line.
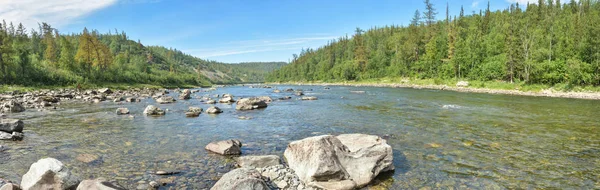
<point x="464" y="87"/>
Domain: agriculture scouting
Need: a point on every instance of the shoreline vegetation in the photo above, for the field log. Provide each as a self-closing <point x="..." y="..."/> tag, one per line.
<point x="504" y="88"/>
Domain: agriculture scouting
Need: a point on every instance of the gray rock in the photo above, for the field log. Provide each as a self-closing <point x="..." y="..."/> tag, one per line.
<point x="49" y="173"/>
<point x="11" y="125"/>
<point x="241" y="179"/>
<point x="309" y="98"/>
<point x="343" y="162"/>
<point x="130" y="99"/>
<point x="10" y="186"/>
<point x="98" y="184"/>
<point x="105" y="91"/>
<point x="165" y="100"/>
<point x="258" y="161"/>
<point x="193" y="112"/>
<point x="122" y="111"/>
<point x="186" y="94"/>
<point x="153" y="110"/>
<point x="15" y="136"/>
<point x="228" y="147"/>
<point x="250" y="104"/>
<point x="214" y="110"/>
<point x="276" y="91"/>
<point x="298" y="93"/>
<point x="211" y="102"/>
<point x="226" y="100"/>
<point x="266" y="99"/>
<point x="12" y="106"/>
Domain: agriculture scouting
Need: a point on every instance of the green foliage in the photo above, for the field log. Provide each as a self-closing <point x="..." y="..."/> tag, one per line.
<point x="45" y="57"/>
<point x="542" y="44"/>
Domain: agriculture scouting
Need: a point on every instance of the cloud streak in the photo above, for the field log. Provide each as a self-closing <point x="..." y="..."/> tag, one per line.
<point x="55" y="12"/>
<point x="264" y="45"/>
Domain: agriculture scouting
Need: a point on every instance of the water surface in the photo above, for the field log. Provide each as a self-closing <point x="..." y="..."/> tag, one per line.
<point x="441" y="139"/>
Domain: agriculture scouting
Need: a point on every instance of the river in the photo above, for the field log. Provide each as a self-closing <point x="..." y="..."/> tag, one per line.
<point x="441" y="139"/>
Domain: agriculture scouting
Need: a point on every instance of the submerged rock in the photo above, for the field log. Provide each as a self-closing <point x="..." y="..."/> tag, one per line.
<point x="258" y="161"/>
<point x="241" y="179"/>
<point x="228" y="147"/>
<point x="49" y="173"/>
<point x="87" y="158"/>
<point x="250" y="104"/>
<point x="343" y="162"/>
<point x="153" y="110"/>
<point x="98" y="184"/>
<point x="214" y="110"/>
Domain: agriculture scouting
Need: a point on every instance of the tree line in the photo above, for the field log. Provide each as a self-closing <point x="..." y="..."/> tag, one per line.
<point x="544" y="43"/>
<point x="43" y="56"/>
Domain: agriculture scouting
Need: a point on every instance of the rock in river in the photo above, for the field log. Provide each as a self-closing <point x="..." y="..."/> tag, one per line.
<point x="122" y="111"/>
<point x="186" y="94"/>
<point x="228" y="147"/>
<point x="13" y="106"/>
<point x="250" y="104"/>
<point x="15" y="136"/>
<point x="10" y="186"/>
<point x="49" y="173"/>
<point x="344" y="162"/>
<point x="214" y="110"/>
<point x="98" y="184"/>
<point x="193" y="112"/>
<point x="309" y="98"/>
<point x="241" y="179"/>
<point x="11" y="125"/>
<point x="87" y="158"/>
<point x="165" y="100"/>
<point x="258" y="161"/>
<point x="153" y="110"/>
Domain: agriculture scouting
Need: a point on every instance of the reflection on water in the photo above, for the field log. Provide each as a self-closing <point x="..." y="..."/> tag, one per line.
<point x="441" y="139"/>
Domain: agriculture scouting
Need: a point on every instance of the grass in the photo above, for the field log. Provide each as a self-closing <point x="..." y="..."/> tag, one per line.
<point x="119" y="86"/>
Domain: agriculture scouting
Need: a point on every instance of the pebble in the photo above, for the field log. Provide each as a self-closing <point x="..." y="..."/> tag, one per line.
<point x="154" y="184"/>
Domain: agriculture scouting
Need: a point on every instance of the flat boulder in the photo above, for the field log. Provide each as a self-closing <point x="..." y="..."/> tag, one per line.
<point x="165" y="100"/>
<point x="153" y="110"/>
<point x="241" y="179"/>
<point x="214" y="110"/>
<point x="193" y="112"/>
<point x="11" y="125"/>
<point x="227" y="147"/>
<point x="49" y="173"/>
<point x="309" y="98"/>
<point x="250" y="104"/>
<point x="98" y="184"/>
<point x="344" y="162"/>
<point x="15" y="136"/>
<point x="258" y="161"/>
<point x="226" y="100"/>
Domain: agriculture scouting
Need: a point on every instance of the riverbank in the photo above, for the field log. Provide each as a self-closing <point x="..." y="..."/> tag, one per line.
<point x="473" y="87"/>
<point x="118" y="86"/>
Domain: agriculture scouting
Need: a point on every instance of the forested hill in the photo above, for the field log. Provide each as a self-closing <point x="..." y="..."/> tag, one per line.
<point x="46" y="57"/>
<point x="544" y="43"/>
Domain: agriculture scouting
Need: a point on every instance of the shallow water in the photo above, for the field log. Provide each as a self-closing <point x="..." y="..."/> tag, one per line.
<point x="441" y="139"/>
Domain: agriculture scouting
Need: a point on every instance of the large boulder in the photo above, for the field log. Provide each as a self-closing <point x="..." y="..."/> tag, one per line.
<point x="186" y="94"/>
<point x="250" y="104"/>
<point x="193" y="112"/>
<point x="153" y="110"/>
<point x="258" y="161"/>
<point x="228" y="147"/>
<point x="165" y="100"/>
<point x="214" y="110"/>
<point x="49" y="173"/>
<point x="343" y="162"/>
<point x="11" y="125"/>
<point x="98" y="184"/>
<point x="13" y="106"/>
<point x="241" y="179"/>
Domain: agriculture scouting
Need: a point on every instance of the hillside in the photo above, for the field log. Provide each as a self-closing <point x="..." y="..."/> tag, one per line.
<point x="46" y="57"/>
<point x="547" y="43"/>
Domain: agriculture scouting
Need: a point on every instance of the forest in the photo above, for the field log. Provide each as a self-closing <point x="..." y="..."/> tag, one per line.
<point x="548" y="42"/>
<point x="44" y="57"/>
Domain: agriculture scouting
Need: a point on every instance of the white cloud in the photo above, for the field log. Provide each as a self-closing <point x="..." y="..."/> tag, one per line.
<point x="54" y="12"/>
<point x="475" y="4"/>
<point x="253" y="46"/>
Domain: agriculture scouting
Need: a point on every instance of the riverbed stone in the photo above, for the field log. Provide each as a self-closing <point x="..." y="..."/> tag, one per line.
<point x="87" y="158"/>
<point x="12" y="106"/>
<point x="241" y="179"/>
<point x="258" y="161"/>
<point x="214" y="110"/>
<point x="122" y="111"/>
<point x="185" y="94"/>
<point x="10" y="186"/>
<point x="11" y="125"/>
<point x="193" y="112"/>
<point x="309" y="98"/>
<point x="250" y="104"/>
<point x="105" y="91"/>
<point x="227" y="147"/>
<point x="49" y="173"/>
<point x="344" y="162"/>
<point x="15" y="136"/>
<point x="153" y="110"/>
<point x="98" y="184"/>
<point x="227" y="100"/>
<point x="165" y="100"/>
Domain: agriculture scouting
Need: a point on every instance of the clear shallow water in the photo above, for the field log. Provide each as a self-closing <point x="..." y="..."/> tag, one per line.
<point x="441" y="139"/>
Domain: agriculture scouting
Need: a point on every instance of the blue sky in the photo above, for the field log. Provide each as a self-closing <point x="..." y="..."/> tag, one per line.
<point x="228" y="31"/>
